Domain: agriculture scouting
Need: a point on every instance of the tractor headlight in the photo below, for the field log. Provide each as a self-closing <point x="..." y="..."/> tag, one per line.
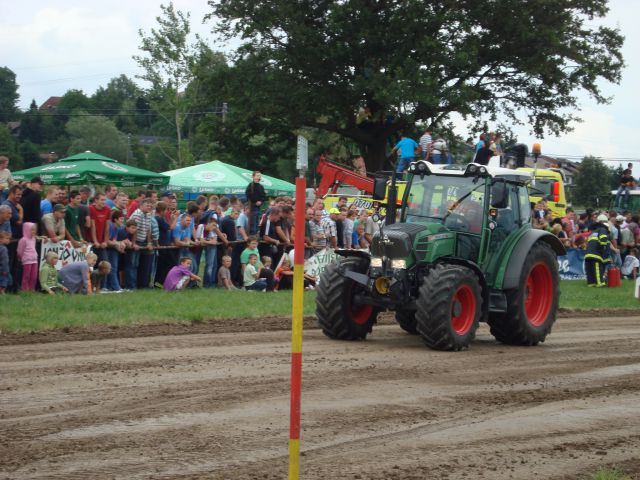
<point x="376" y="262"/>
<point x="399" y="263"/>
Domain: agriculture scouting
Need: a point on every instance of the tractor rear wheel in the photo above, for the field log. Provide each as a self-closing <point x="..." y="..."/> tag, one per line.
<point x="407" y="321"/>
<point x="338" y="315"/>
<point x="449" y="307"/>
<point x="531" y="308"/>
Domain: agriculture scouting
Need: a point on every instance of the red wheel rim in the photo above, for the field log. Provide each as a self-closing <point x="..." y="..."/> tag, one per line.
<point x="539" y="294"/>
<point x="361" y="314"/>
<point x="463" y="309"/>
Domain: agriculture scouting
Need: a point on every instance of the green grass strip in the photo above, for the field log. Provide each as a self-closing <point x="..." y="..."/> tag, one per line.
<point x="33" y="312"/>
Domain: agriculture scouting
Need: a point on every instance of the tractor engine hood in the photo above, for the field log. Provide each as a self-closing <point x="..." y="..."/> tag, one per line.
<point x="395" y="241"/>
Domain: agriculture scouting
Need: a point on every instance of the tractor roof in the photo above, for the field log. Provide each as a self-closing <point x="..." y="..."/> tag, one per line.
<point x="494" y="172"/>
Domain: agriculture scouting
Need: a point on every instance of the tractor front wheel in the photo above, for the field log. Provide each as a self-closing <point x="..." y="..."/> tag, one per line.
<point x="531" y="308"/>
<point x="449" y="307"/>
<point x="338" y="314"/>
<point x="407" y="321"/>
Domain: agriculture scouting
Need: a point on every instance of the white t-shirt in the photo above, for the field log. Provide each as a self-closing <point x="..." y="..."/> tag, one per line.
<point x="249" y="275"/>
<point x="630" y="262"/>
<point x="200" y="233"/>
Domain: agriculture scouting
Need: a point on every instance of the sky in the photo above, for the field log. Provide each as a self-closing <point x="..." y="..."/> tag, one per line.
<point x="54" y="46"/>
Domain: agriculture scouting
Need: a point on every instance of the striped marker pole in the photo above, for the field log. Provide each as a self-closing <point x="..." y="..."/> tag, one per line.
<point x="296" y="331"/>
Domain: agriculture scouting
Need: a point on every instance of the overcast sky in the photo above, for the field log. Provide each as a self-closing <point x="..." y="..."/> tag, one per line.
<point x="54" y="46"/>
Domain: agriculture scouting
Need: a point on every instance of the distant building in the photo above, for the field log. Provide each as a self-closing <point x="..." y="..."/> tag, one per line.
<point x="51" y="103"/>
<point x="569" y="168"/>
<point x="148" y="140"/>
<point x="14" y="128"/>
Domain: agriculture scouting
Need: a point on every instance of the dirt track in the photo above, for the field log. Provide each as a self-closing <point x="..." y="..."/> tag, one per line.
<point x="216" y="406"/>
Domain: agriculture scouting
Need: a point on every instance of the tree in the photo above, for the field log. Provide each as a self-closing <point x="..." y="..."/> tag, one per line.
<point x="9" y="148"/>
<point x="8" y="95"/>
<point x="72" y="101"/>
<point x="317" y="63"/>
<point x="109" y="99"/>
<point x="167" y="65"/>
<point x="98" y="134"/>
<point x="589" y="189"/>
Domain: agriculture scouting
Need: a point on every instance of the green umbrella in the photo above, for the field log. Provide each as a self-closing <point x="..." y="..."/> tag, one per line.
<point x="222" y="178"/>
<point x="91" y="168"/>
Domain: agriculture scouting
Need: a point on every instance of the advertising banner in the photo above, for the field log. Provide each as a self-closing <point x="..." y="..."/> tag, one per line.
<point x="66" y="252"/>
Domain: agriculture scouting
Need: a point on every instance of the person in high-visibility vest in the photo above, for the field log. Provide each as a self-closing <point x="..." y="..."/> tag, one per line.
<point x="598" y="245"/>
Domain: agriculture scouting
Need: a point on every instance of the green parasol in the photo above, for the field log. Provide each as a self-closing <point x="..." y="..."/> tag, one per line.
<point x="222" y="178"/>
<point x="91" y="168"/>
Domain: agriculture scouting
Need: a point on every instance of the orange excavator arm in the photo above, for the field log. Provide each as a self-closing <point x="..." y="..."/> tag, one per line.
<point x="333" y="175"/>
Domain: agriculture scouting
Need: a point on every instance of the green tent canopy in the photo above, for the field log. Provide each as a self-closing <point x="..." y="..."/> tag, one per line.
<point x="91" y="168"/>
<point x="222" y="178"/>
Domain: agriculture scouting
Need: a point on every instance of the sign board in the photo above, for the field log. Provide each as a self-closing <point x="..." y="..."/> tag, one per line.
<point x="66" y="252"/>
<point x="302" y="159"/>
<point x="316" y="264"/>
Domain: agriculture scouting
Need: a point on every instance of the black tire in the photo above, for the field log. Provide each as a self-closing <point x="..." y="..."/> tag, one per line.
<point x="532" y="307"/>
<point x="337" y="317"/>
<point x="407" y="321"/>
<point x="449" y="307"/>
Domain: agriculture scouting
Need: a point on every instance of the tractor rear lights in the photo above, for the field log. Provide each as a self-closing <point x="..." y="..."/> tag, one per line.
<point x="399" y="263"/>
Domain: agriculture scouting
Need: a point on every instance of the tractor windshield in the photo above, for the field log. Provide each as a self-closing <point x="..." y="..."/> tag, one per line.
<point x="455" y="201"/>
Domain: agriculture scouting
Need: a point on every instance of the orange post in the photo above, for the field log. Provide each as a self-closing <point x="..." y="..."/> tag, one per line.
<point x="296" y="331"/>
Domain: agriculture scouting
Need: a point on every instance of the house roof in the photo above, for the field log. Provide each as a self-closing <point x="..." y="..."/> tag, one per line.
<point x="50" y="103"/>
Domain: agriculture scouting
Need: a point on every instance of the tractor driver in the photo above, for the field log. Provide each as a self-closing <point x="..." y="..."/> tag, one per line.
<point x="472" y="212"/>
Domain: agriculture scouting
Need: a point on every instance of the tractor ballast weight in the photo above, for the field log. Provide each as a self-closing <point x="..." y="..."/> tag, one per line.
<point x="462" y="252"/>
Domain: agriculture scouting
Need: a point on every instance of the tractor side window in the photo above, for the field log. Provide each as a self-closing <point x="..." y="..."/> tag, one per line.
<point x="509" y="216"/>
<point x="525" y="205"/>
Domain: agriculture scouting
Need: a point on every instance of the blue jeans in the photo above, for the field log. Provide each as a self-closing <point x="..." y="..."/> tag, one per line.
<point x="195" y="261"/>
<point x="210" y="266"/>
<point x="111" y="282"/>
<point x="132" y="262"/>
<point x="254" y="221"/>
<point x="403" y="164"/>
<point x="259" y="285"/>
<point x="622" y="190"/>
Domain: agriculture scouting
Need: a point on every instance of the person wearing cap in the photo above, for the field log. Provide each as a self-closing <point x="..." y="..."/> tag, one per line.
<point x="597" y="252"/>
<point x="31" y="200"/>
<point x="54" y="225"/>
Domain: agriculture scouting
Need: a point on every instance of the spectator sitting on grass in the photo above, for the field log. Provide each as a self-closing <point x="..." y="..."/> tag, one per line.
<point x="224" y="274"/>
<point x="631" y="265"/>
<point x="49" y="275"/>
<point x="284" y="274"/>
<point x="251" y="276"/>
<point x="180" y="276"/>
<point x="263" y="270"/>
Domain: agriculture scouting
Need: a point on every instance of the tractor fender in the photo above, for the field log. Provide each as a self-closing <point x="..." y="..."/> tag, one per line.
<point x="481" y="278"/>
<point x="511" y="277"/>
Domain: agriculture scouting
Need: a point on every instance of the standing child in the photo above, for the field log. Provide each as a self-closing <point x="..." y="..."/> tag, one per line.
<point x="180" y="276"/>
<point x="207" y="235"/>
<point x="28" y="257"/>
<point x="5" y="277"/>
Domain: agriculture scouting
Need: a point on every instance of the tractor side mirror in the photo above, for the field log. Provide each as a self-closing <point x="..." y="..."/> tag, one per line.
<point x="379" y="188"/>
<point x="499" y="194"/>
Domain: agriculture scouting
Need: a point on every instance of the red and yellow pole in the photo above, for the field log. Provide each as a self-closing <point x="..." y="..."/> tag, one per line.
<point x="296" y="331"/>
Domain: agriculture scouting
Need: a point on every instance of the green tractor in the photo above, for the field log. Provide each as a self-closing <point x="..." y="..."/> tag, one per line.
<point x="462" y="252"/>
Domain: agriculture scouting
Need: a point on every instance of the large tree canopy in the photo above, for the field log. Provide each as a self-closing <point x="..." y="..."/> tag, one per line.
<point x="315" y="63"/>
<point x="8" y="95"/>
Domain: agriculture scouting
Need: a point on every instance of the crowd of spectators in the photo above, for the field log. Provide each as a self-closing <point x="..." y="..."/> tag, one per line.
<point x="148" y="242"/>
<point x="574" y="232"/>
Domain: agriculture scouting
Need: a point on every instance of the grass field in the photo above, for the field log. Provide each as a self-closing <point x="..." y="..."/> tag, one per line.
<point x="33" y="312"/>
